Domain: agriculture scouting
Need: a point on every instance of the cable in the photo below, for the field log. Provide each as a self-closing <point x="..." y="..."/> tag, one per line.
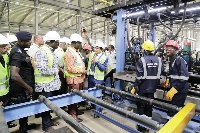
<point x="163" y="23"/>
<point x="173" y="37"/>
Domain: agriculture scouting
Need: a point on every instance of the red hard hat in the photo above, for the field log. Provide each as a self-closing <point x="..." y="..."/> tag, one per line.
<point x="172" y="43"/>
<point x="87" y="47"/>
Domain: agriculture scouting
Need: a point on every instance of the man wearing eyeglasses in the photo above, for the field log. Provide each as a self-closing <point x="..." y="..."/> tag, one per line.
<point x="178" y="76"/>
<point x="46" y="73"/>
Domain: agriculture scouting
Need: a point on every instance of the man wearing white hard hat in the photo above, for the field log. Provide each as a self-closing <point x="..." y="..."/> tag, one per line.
<point x="59" y="52"/>
<point x="74" y="70"/>
<point x="46" y="73"/>
<point x="97" y="66"/>
<point x="64" y="43"/>
<point x="5" y="73"/>
<point x="12" y="39"/>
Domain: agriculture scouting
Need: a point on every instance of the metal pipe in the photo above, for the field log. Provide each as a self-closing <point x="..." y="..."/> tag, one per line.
<point x="143" y="99"/>
<point x="3" y="124"/>
<point x="163" y="23"/>
<point x="173" y="37"/>
<point x="137" y="118"/>
<point x="65" y="116"/>
<point x="128" y="41"/>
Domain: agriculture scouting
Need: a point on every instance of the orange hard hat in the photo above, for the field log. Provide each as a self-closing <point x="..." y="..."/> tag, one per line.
<point x="172" y="43"/>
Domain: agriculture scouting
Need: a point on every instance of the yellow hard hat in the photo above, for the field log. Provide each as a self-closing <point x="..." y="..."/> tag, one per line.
<point x="148" y="45"/>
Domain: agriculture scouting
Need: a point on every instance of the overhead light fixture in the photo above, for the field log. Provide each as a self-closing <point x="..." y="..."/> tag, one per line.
<point x="188" y="10"/>
<point x="149" y="11"/>
<point x="17" y="3"/>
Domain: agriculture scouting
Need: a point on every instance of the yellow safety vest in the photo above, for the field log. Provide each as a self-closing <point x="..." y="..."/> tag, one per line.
<point x="39" y="77"/>
<point x="4" y="76"/>
<point x="98" y="75"/>
<point x="77" y="63"/>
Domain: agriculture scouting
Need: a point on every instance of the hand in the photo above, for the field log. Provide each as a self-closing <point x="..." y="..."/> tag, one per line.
<point x="61" y="70"/>
<point x="95" y="60"/>
<point x="133" y="91"/>
<point x="30" y="90"/>
<point x="84" y="72"/>
<point x="1" y="103"/>
<point x="170" y="94"/>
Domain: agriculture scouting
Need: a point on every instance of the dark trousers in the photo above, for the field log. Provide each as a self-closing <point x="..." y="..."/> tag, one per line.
<point x="46" y="116"/>
<point x="144" y="108"/>
<point x="110" y="74"/>
<point x="5" y="99"/>
<point x="178" y="100"/>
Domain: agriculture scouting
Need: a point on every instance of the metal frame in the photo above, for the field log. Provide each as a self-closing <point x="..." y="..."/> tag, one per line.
<point x="18" y="111"/>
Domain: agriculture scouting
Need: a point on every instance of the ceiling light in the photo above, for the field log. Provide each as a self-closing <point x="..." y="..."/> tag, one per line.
<point x="96" y="8"/>
<point x="17" y="3"/>
<point x="31" y="20"/>
<point x="68" y="1"/>
<point x="40" y="15"/>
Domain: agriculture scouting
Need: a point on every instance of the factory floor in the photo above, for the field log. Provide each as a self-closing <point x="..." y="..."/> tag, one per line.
<point x="98" y="125"/>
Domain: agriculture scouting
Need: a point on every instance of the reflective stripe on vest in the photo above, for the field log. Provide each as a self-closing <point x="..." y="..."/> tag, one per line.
<point x="3" y="80"/>
<point x="39" y="77"/>
<point x="178" y="77"/>
<point x="4" y="76"/>
<point x="77" y="64"/>
<point x="145" y="70"/>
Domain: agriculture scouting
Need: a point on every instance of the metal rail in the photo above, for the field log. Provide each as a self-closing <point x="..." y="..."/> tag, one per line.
<point x="144" y="99"/>
<point x="65" y="116"/>
<point x="137" y="118"/>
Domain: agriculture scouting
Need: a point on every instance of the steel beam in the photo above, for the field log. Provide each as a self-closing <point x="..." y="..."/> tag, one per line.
<point x="36" y="17"/>
<point x="26" y="15"/>
<point x="49" y="16"/>
<point x="145" y="121"/>
<point x="79" y="127"/>
<point x="65" y="5"/>
<point x="1" y="11"/>
<point x="18" y="111"/>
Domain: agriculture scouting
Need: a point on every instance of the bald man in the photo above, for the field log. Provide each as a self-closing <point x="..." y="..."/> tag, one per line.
<point x="38" y="41"/>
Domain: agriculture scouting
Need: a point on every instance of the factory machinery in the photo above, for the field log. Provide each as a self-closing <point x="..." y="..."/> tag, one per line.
<point x="146" y="15"/>
<point x="136" y="12"/>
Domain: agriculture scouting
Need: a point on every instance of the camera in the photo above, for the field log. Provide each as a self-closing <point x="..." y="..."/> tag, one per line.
<point x="84" y="30"/>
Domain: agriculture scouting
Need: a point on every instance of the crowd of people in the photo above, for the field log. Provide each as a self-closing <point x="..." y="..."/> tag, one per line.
<point x="49" y="65"/>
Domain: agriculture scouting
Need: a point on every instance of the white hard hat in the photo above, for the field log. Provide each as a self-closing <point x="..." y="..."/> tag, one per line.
<point x="76" y="38"/>
<point x="3" y="40"/>
<point x="65" y="39"/>
<point x="100" y="44"/>
<point x="12" y="38"/>
<point x="52" y="35"/>
<point x="26" y="49"/>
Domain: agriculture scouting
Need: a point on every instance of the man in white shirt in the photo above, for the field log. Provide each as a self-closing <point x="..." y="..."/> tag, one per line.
<point x="111" y="55"/>
<point x="38" y="42"/>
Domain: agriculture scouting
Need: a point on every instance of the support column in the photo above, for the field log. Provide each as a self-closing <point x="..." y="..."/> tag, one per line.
<point x="107" y="34"/>
<point x="120" y="45"/>
<point x="79" y="18"/>
<point x="91" y="30"/>
<point x="104" y="32"/>
<point x="36" y="16"/>
<point x="152" y="34"/>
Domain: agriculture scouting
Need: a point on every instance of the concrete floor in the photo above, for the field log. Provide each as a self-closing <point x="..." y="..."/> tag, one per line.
<point x="98" y="125"/>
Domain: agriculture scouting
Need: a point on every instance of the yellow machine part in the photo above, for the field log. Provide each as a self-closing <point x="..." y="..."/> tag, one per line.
<point x="107" y="2"/>
<point x="180" y="120"/>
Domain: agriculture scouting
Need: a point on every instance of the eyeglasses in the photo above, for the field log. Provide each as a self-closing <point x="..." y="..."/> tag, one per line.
<point x="169" y="49"/>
